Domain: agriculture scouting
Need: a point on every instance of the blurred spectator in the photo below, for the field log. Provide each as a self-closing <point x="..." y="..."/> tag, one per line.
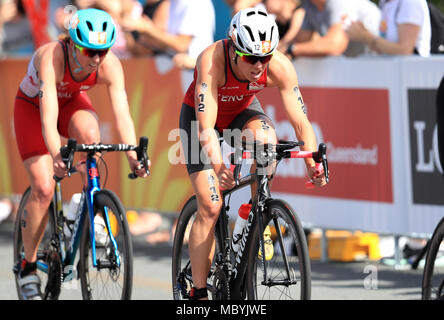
<point x="158" y="12"/>
<point x="289" y="15"/>
<point x="405" y="29"/>
<point x="328" y="18"/>
<point x="238" y="5"/>
<point x="37" y="12"/>
<point x="190" y="30"/>
<point x="15" y="31"/>
<point x="6" y="208"/>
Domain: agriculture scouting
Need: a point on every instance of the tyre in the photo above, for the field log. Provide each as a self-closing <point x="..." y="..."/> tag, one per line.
<point x="113" y="277"/>
<point x="433" y="276"/>
<point x="287" y="265"/>
<point x="217" y="282"/>
<point x="49" y="267"/>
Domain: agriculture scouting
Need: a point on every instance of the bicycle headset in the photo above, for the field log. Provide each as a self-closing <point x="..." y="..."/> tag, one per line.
<point x="254" y="32"/>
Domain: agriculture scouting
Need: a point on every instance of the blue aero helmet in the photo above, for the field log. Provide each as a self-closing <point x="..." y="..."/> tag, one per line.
<point x="92" y="29"/>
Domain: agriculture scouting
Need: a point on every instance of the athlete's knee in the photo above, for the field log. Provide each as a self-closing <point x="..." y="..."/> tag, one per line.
<point x="42" y="192"/>
<point x="209" y="210"/>
<point x="260" y="131"/>
<point x="89" y="135"/>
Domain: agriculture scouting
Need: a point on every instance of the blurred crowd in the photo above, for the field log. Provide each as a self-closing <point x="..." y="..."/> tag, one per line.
<point x="181" y="29"/>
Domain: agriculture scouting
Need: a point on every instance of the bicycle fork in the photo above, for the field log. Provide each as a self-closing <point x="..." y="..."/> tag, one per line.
<point x="264" y="196"/>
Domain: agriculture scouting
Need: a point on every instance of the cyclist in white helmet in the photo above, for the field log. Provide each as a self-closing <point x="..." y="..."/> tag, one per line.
<point x="222" y="96"/>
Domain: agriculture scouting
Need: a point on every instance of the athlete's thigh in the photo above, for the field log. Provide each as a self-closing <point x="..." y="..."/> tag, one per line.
<point x="79" y="120"/>
<point x="252" y="124"/>
<point x="259" y="129"/>
<point x="28" y="128"/>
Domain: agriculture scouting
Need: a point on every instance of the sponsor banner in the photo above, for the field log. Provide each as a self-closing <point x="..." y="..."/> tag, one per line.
<point x="426" y="171"/>
<point x="155" y="99"/>
<point x="355" y="125"/>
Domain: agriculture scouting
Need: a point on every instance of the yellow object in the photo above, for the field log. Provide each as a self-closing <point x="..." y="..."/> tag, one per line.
<point x="268" y="245"/>
<point x="345" y="245"/>
<point x="113" y="223"/>
<point x="274" y="233"/>
<point x="131" y="216"/>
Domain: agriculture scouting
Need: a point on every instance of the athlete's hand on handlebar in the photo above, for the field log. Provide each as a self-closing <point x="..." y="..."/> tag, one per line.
<point x="60" y="168"/>
<point x="140" y="166"/>
<point x="317" y="175"/>
<point x="137" y="168"/>
<point x="226" y="178"/>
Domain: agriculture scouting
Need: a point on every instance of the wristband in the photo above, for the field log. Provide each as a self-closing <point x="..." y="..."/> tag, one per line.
<point x="289" y="50"/>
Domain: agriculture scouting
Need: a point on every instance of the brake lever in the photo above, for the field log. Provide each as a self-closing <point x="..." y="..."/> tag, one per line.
<point x="142" y="156"/>
<point x="321" y="157"/>
<point x="236" y="164"/>
<point x="67" y="154"/>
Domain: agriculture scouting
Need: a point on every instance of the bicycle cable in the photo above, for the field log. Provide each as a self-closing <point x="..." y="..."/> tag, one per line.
<point x="102" y="160"/>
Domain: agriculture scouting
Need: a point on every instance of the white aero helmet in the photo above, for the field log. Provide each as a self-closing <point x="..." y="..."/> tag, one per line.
<point x="253" y="31"/>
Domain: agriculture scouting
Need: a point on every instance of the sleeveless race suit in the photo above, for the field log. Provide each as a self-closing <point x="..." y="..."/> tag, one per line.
<point x="237" y="103"/>
<point x="71" y="97"/>
<point x="233" y="97"/>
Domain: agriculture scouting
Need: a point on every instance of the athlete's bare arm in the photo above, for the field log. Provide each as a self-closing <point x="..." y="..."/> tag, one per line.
<point x="49" y="63"/>
<point x="283" y="75"/>
<point x="210" y="75"/>
<point x="111" y="74"/>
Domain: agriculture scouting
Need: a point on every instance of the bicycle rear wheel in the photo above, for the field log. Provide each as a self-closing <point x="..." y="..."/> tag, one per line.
<point x="433" y="276"/>
<point x="49" y="268"/>
<point x="182" y="282"/>
<point x="112" y="278"/>
<point x="287" y="265"/>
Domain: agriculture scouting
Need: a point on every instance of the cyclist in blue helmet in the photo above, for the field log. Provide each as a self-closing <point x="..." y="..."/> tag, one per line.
<point x="52" y="102"/>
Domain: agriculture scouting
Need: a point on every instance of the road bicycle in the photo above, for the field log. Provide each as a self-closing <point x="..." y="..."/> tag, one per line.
<point x="433" y="275"/>
<point x="105" y="268"/>
<point x="249" y="274"/>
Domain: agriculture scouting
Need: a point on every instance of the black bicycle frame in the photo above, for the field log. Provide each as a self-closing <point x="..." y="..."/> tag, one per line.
<point x="238" y="269"/>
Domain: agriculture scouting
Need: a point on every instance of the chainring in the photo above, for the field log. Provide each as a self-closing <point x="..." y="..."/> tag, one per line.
<point x="55" y="277"/>
<point x="220" y="284"/>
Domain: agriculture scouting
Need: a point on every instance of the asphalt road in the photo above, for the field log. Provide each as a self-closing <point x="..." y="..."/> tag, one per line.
<point x="365" y="280"/>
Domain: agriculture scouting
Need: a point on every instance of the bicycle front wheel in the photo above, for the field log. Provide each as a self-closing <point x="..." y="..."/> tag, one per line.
<point x="433" y="276"/>
<point x="286" y="273"/>
<point x="112" y="277"/>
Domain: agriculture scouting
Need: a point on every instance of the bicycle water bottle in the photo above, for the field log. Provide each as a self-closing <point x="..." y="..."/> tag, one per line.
<point x="71" y="213"/>
<point x="241" y="221"/>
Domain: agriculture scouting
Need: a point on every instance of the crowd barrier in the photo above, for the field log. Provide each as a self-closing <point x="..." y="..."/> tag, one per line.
<point x="376" y="115"/>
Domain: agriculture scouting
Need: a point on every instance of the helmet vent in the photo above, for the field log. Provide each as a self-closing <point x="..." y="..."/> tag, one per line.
<point x="104" y="25"/>
<point x="251" y="13"/>
<point x="112" y="35"/>
<point x="262" y="13"/>
<point x="239" y="42"/>
<point x="262" y="36"/>
<point x="79" y="35"/>
<point x="90" y="27"/>
<point x="250" y="33"/>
